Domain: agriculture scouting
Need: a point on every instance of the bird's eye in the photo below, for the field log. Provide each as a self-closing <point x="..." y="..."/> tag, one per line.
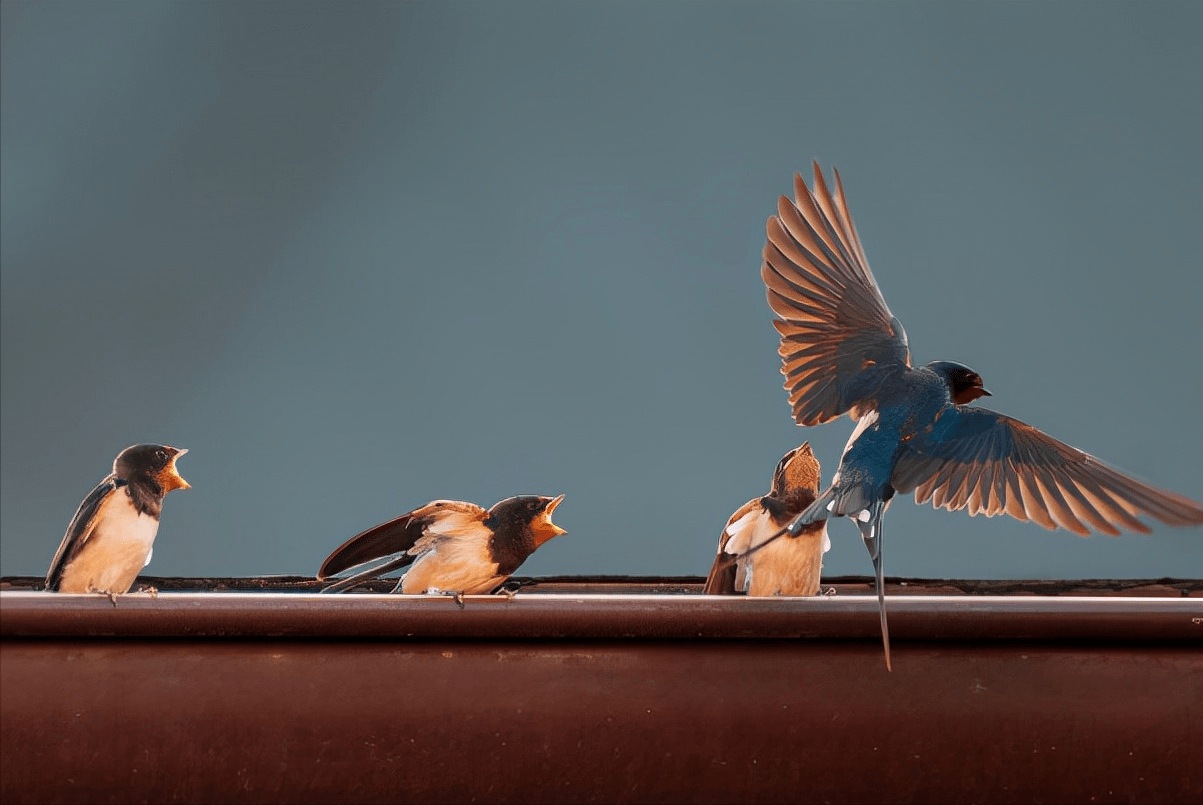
<point x="161" y="455"/>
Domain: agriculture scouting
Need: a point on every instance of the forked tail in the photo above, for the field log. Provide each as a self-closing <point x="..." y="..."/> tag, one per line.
<point x="871" y="532"/>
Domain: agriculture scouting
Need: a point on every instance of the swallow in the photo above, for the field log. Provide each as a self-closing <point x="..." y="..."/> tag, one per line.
<point x="843" y="351"/>
<point x="111" y="537"/>
<point x="454" y="547"/>
<point x="784" y="567"/>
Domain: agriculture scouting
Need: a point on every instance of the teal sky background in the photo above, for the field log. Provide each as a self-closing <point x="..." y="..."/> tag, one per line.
<point x="359" y="256"/>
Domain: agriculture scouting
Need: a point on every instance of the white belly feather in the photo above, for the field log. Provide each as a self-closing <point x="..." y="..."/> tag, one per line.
<point x="115" y="552"/>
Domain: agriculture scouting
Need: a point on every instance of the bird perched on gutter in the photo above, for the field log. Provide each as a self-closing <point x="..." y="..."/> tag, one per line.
<point x="454" y="547"/>
<point x="842" y="351"/>
<point x="786" y="566"/>
<point x="110" y="539"/>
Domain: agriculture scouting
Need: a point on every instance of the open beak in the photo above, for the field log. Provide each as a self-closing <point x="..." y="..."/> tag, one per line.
<point x="170" y="478"/>
<point x="549" y="510"/>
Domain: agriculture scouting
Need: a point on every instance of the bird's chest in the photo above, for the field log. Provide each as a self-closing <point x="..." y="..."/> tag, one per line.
<point x="118" y="548"/>
<point x="453" y="565"/>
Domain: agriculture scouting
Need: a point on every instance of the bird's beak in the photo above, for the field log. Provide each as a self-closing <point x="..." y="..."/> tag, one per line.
<point x="170" y="477"/>
<point x="548" y="511"/>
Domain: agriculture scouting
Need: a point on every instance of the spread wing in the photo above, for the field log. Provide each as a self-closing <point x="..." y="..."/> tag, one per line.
<point x="838" y="337"/>
<point x="82" y="526"/>
<point x="410" y="534"/>
<point x="992" y="464"/>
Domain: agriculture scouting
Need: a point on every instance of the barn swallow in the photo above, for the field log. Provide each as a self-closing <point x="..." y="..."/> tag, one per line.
<point x="787" y="566"/>
<point x="111" y="536"/>
<point x="455" y="547"/>
<point x="842" y="351"/>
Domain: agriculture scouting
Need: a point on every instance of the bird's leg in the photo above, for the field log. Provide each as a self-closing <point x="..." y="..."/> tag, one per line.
<point x="112" y="599"/>
<point x="869" y="523"/>
<point x="456" y="595"/>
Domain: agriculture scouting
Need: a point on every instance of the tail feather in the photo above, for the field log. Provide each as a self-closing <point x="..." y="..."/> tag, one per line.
<point x="871" y="533"/>
<point x="371" y="573"/>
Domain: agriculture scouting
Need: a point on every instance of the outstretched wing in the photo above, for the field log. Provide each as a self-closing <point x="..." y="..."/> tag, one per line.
<point x="839" y="340"/>
<point x="992" y="464"/>
<point x="404" y="534"/>
<point x="82" y="526"/>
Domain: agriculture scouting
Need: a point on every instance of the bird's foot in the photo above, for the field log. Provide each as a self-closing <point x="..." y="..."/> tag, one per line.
<point x="112" y="599"/>
<point x="153" y="592"/>
<point x="456" y="595"/>
<point x="829" y="591"/>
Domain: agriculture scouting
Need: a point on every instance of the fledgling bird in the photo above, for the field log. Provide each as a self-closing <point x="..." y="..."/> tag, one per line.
<point x="842" y="351"/>
<point x="111" y="537"/>
<point x="784" y="566"/>
<point x="455" y="547"/>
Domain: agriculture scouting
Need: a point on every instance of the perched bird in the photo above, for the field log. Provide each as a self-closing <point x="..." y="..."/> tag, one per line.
<point x="842" y="351"/>
<point x="786" y="566"/>
<point x="455" y="547"/>
<point x="111" y="536"/>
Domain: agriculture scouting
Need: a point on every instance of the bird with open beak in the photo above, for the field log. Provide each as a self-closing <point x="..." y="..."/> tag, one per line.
<point x="111" y="537"/>
<point x="453" y="547"/>
<point x="747" y="562"/>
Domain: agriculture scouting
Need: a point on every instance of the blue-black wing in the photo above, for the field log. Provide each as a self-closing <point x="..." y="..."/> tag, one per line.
<point x="839" y="341"/>
<point x="396" y="536"/>
<point x="437" y="519"/>
<point x="82" y="526"/>
<point x="989" y="463"/>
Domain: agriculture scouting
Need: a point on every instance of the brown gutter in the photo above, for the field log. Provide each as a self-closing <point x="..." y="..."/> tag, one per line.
<point x="567" y="694"/>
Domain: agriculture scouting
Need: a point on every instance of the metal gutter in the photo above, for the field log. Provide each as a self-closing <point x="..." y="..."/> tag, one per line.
<point x="573" y="692"/>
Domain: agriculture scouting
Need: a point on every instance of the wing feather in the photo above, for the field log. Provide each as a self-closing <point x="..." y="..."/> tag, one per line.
<point x="993" y="464"/>
<point x="838" y="338"/>
<point x="403" y="534"/>
<point x="79" y="531"/>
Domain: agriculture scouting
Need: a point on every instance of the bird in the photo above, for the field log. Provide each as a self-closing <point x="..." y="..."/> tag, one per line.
<point x="783" y="567"/>
<point x="455" y="547"/>
<point x="111" y="537"/>
<point x="843" y="352"/>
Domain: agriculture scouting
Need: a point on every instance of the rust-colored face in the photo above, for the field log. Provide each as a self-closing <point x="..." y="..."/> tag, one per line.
<point x="968" y="388"/>
<point x="542" y="526"/>
<point x="802" y="470"/>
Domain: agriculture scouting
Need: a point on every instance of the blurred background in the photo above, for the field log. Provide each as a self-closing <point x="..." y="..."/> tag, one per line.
<point x="358" y="256"/>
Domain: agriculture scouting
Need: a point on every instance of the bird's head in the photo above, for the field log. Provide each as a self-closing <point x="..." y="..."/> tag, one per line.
<point x="532" y="510"/>
<point x="153" y="462"/>
<point x="798" y="469"/>
<point x="964" y="384"/>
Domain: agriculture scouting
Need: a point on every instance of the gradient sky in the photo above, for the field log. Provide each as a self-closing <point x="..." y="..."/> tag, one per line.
<point x="358" y="256"/>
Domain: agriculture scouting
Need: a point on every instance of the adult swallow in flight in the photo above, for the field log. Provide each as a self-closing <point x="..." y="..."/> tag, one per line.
<point x="786" y="566"/>
<point x="842" y="351"/>
<point x="455" y="547"/>
<point x="111" y="536"/>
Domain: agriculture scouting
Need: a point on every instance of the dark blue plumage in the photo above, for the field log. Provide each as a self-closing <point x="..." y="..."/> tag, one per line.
<point x="842" y="351"/>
